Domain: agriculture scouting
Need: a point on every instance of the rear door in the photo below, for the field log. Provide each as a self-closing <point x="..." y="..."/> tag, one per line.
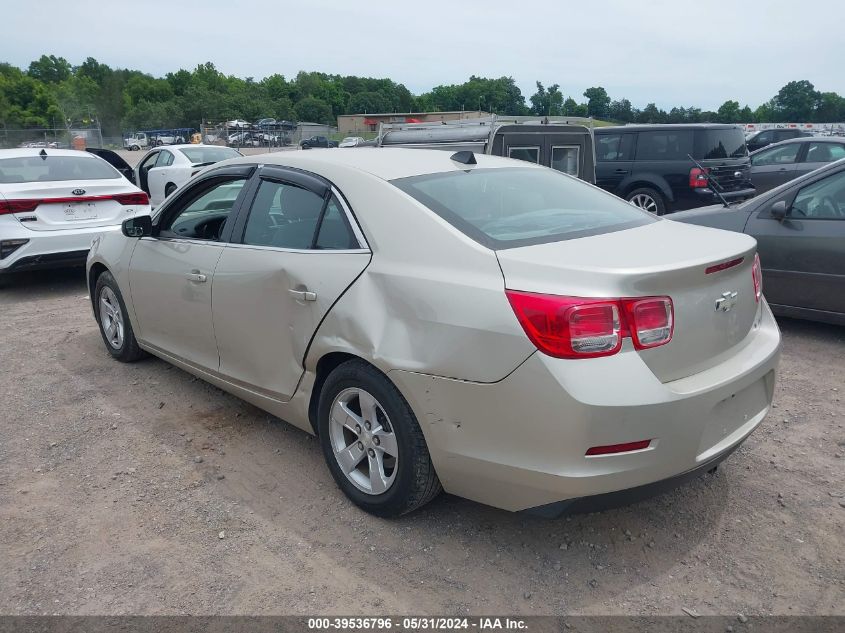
<point x="565" y="148"/>
<point x="158" y="177"/>
<point x="297" y="251"/>
<point x="817" y="154"/>
<point x="774" y="166"/>
<point x="614" y="156"/>
<point x="803" y="256"/>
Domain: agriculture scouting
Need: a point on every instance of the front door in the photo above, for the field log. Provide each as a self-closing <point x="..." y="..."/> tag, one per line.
<point x="171" y="273"/>
<point x="803" y="256"/>
<point x="774" y="166"/>
<point x="295" y="253"/>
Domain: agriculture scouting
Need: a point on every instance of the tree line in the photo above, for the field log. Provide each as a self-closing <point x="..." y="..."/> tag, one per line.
<point x="53" y="93"/>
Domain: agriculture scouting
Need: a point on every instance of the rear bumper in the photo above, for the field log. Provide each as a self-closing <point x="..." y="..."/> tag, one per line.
<point x="520" y="443"/>
<point x="48" y="249"/>
<point x="705" y="196"/>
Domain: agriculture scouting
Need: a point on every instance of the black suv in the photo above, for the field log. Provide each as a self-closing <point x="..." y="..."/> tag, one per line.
<point x="317" y="141"/>
<point x="649" y="165"/>
<point x="774" y="135"/>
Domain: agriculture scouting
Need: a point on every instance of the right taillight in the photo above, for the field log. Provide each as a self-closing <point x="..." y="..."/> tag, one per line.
<point x="577" y="327"/>
<point x="757" y="276"/>
<point x="698" y="177"/>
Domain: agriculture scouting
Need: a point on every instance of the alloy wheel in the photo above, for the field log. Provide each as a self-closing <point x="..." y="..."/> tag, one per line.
<point x="645" y="202"/>
<point x="111" y="318"/>
<point x="363" y="441"/>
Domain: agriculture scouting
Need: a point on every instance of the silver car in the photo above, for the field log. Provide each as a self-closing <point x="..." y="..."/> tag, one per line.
<point x="497" y="329"/>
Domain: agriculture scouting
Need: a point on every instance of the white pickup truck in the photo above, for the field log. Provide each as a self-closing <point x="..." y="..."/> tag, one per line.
<point x="141" y="140"/>
<point x="136" y="141"/>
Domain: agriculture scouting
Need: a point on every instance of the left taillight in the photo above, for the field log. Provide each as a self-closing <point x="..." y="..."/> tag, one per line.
<point x="132" y="198"/>
<point x="757" y="277"/>
<point x="18" y="206"/>
<point x="576" y="327"/>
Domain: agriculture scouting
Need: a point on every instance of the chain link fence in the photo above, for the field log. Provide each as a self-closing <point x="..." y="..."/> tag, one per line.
<point x="53" y="138"/>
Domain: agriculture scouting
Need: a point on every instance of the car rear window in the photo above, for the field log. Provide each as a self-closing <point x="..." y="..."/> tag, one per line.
<point x="726" y="143"/>
<point x="209" y="154"/>
<point x="54" y="168"/>
<point x="511" y="207"/>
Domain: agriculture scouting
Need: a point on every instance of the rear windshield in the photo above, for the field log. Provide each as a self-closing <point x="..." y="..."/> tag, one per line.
<point x="506" y="208"/>
<point x="209" y="154"/>
<point x="728" y="143"/>
<point x="54" y="168"/>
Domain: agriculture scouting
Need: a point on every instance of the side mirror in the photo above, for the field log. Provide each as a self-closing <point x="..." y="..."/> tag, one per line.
<point x="779" y="210"/>
<point x="142" y="226"/>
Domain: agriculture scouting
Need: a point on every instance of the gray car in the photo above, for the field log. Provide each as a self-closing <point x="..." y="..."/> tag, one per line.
<point x="800" y="233"/>
<point x="508" y="332"/>
<point x="779" y="163"/>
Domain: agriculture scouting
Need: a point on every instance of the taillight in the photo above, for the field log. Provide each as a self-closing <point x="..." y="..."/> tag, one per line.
<point x="30" y="204"/>
<point x="126" y="199"/>
<point x="757" y="276"/>
<point x="698" y="177"/>
<point x="575" y="327"/>
<point x="18" y="206"/>
<point x="650" y="320"/>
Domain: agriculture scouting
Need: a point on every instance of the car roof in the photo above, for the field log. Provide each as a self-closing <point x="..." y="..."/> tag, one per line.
<point x="803" y="139"/>
<point x="387" y="163"/>
<point x="36" y="151"/>
<point x="665" y="126"/>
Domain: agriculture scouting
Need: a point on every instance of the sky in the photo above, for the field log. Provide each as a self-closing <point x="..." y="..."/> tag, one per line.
<point x="672" y="53"/>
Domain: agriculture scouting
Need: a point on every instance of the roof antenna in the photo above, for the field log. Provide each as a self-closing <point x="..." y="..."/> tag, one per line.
<point x="466" y="157"/>
<point x="43" y="154"/>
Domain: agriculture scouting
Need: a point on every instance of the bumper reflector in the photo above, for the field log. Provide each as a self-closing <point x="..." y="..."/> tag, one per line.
<point x="7" y="247"/>
<point x="618" y="448"/>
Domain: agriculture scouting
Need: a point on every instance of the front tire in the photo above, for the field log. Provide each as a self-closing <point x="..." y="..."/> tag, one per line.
<point x="648" y="200"/>
<point x="372" y="442"/>
<point x="112" y="318"/>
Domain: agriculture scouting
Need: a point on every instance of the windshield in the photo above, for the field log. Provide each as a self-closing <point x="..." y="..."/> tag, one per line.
<point x="209" y="154"/>
<point x="506" y="208"/>
<point x="725" y="143"/>
<point x="54" y="168"/>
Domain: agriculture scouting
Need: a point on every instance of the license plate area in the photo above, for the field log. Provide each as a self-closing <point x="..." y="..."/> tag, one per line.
<point x="79" y="211"/>
<point x="732" y="414"/>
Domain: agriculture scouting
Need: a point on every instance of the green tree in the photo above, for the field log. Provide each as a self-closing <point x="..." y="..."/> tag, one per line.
<point x="729" y="112"/>
<point x="796" y="101"/>
<point x="598" y="103"/>
<point x="50" y="69"/>
<point x="313" y="110"/>
<point x="547" y="102"/>
<point x="621" y="111"/>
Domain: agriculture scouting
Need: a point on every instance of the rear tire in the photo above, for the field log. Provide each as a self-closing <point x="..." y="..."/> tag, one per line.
<point x="168" y="189"/>
<point x="648" y="200"/>
<point x="112" y="318"/>
<point x="354" y="396"/>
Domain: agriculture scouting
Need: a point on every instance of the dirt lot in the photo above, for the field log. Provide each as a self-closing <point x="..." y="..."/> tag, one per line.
<point x="139" y="489"/>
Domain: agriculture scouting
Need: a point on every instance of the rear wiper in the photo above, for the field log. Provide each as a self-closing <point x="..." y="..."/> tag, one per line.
<point x="211" y="162"/>
<point x="713" y="184"/>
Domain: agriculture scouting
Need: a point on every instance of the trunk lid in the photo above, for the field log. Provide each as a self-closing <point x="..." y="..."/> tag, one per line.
<point x="662" y="258"/>
<point x="61" y="205"/>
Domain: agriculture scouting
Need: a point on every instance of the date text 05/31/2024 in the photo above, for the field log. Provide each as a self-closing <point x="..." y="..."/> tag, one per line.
<point x="415" y="624"/>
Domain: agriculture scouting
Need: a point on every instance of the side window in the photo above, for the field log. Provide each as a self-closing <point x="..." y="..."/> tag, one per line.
<point x="664" y="145"/>
<point x="283" y="216"/>
<point x="783" y="155"/>
<point x="765" y="137"/>
<point x="608" y="147"/>
<point x="823" y="200"/>
<point x="565" y="159"/>
<point x="824" y="152"/>
<point x="165" y="159"/>
<point x="335" y="233"/>
<point x="149" y="162"/>
<point x="204" y="215"/>
<point x="529" y="154"/>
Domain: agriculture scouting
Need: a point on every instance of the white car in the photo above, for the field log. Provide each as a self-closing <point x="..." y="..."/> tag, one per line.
<point x="162" y="170"/>
<point x="53" y="203"/>
<point x="351" y="141"/>
<point x="238" y="123"/>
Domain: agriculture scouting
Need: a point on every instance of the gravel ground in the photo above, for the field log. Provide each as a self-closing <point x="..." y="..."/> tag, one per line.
<point x="138" y="489"/>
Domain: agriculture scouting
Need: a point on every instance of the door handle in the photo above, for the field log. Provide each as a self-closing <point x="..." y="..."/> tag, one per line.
<point x="196" y="276"/>
<point x="303" y="295"/>
<point x="621" y="171"/>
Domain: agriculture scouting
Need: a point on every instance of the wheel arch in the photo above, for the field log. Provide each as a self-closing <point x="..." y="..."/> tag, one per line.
<point x="656" y="183"/>
<point x="327" y="363"/>
<point x="94" y="273"/>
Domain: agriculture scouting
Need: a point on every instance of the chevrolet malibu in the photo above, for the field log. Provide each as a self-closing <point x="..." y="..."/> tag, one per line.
<point x="492" y="328"/>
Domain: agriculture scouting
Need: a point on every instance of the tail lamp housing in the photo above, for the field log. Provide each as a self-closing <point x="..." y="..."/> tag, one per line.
<point x="698" y="177"/>
<point x="757" y="276"/>
<point x="578" y="327"/>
